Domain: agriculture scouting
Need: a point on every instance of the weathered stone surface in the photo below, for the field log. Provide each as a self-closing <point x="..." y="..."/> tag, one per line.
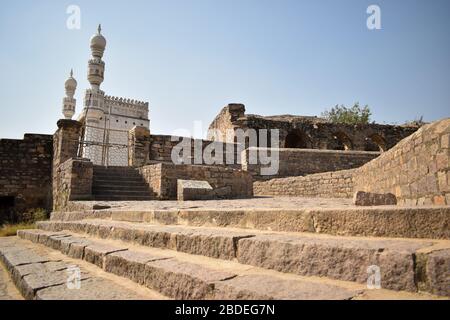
<point x="95" y="252"/>
<point x="194" y="190"/>
<point x="90" y="289"/>
<point x="362" y="198"/>
<point x="130" y="264"/>
<point x="163" y="177"/>
<point x="25" y="174"/>
<point x="263" y="287"/>
<point x="8" y="291"/>
<point x="438" y="272"/>
<point x="337" y="258"/>
<point x="182" y="280"/>
<point x="46" y="277"/>
<point x="216" y="243"/>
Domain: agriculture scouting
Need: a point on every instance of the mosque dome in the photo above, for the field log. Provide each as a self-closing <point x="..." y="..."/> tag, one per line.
<point x="71" y="83"/>
<point x="98" y="43"/>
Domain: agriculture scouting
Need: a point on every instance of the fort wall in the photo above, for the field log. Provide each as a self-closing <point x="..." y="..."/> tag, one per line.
<point x="25" y="174"/>
<point x="300" y="162"/>
<point x="416" y="171"/>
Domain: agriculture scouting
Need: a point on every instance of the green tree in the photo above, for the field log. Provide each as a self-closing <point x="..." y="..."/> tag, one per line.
<point x="353" y="115"/>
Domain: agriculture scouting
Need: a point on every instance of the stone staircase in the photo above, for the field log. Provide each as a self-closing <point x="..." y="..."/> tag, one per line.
<point x="204" y="262"/>
<point x="119" y="183"/>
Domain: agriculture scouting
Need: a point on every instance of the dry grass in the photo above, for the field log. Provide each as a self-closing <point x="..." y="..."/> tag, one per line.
<point x="9" y="230"/>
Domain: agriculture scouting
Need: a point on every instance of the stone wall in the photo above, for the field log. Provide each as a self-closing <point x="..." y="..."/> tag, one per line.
<point x="227" y="182"/>
<point x="300" y="162"/>
<point x="25" y="174"/>
<point x="337" y="184"/>
<point x="71" y="176"/>
<point x="161" y="149"/>
<point x="72" y="181"/>
<point x="309" y="132"/>
<point x="416" y="171"/>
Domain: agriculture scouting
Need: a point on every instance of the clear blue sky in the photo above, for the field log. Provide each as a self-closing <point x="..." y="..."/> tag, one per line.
<point x="190" y="58"/>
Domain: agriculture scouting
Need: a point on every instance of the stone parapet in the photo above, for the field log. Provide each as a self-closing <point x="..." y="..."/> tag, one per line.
<point x="226" y="182"/>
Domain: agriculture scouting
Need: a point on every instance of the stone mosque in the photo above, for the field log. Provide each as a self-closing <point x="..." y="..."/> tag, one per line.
<point x="107" y="118"/>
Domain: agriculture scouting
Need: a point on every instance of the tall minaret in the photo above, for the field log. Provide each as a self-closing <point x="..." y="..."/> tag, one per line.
<point x="96" y="64"/>
<point x="94" y="97"/>
<point x="94" y="102"/>
<point x="69" y="102"/>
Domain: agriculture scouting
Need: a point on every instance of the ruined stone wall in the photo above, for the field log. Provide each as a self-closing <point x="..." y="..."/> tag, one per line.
<point x="227" y="182"/>
<point x="71" y="176"/>
<point x="300" y="162"/>
<point x="337" y="184"/>
<point x="416" y="171"/>
<point x="310" y="132"/>
<point x="72" y="181"/>
<point x="161" y="149"/>
<point x="25" y="173"/>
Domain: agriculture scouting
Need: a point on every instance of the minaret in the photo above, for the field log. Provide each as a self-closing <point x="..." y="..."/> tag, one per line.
<point x="94" y="102"/>
<point x="69" y="102"/>
<point x="96" y="65"/>
<point x="94" y="97"/>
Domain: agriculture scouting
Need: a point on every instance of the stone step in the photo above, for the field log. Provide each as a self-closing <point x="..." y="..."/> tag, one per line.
<point x="108" y="192"/>
<point x="113" y="197"/>
<point x="107" y="188"/>
<point x="117" y="180"/>
<point x="114" y="169"/>
<point x="389" y="221"/>
<point x="110" y="177"/>
<point x="41" y="273"/>
<point x="404" y="264"/>
<point x="184" y="276"/>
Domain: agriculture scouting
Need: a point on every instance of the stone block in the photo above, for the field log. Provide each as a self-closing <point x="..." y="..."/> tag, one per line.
<point x="194" y="190"/>
<point x="362" y="198"/>
<point x="182" y="280"/>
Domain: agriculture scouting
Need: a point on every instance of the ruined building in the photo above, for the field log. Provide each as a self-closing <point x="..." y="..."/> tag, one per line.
<point x="310" y="132"/>
<point x="348" y="209"/>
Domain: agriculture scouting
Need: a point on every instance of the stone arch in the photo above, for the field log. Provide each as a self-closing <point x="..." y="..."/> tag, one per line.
<point x="375" y="142"/>
<point x="297" y="139"/>
<point x="342" y="141"/>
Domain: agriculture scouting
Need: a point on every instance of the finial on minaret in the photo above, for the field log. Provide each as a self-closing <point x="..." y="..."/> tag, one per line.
<point x="69" y="102"/>
<point x="99" y="29"/>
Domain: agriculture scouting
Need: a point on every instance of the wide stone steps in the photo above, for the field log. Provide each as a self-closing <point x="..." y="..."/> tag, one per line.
<point x="184" y="276"/>
<point x="43" y="274"/>
<point x="386" y="221"/>
<point x="404" y="264"/>
<point x="119" y="183"/>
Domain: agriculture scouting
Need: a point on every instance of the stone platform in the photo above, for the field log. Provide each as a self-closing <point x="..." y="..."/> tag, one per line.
<point x="260" y="248"/>
<point x="291" y="214"/>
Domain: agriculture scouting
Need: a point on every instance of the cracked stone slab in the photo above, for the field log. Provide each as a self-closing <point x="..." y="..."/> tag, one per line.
<point x="43" y="278"/>
<point x="333" y="257"/>
<point x="130" y="264"/>
<point x="263" y="287"/>
<point x="90" y="289"/>
<point x="211" y="242"/>
<point x="95" y="253"/>
<point x="182" y="280"/>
